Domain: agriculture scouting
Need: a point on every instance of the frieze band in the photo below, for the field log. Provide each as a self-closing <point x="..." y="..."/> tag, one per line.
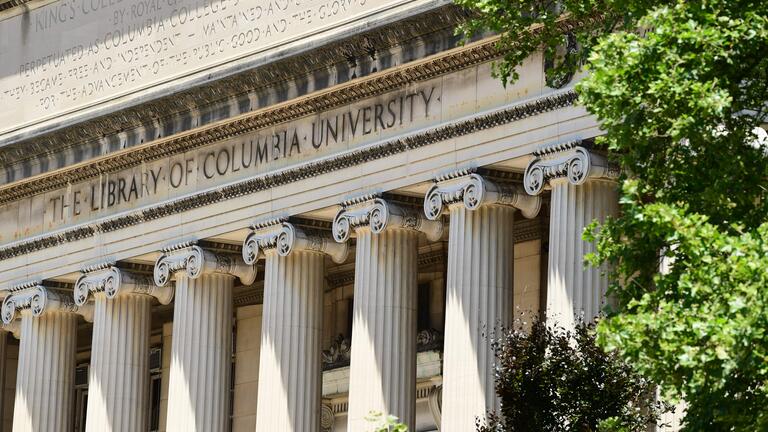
<point x="309" y="169"/>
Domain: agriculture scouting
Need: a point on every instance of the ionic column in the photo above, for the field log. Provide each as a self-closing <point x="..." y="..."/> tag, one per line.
<point x="479" y="286"/>
<point x="383" y="362"/>
<point x="45" y="378"/>
<point x="583" y="189"/>
<point x="3" y="358"/>
<point x="118" y="379"/>
<point x="201" y="350"/>
<point x="290" y="377"/>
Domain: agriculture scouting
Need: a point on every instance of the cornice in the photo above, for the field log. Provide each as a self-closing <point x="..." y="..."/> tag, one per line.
<point x="10" y="4"/>
<point x="345" y="94"/>
<point x="296" y="173"/>
<point x="353" y="53"/>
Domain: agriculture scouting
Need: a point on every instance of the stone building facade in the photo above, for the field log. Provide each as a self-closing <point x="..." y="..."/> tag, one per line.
<point x="276" y="215"/>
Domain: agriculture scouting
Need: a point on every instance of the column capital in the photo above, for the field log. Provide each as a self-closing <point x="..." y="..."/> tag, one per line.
<point x="113" y="281"/>
<point x="282" y="237"/>
<point x="467" y="188"/>
<point x="569" y="161"/>
<point x="195" y="261"/>
<point x="377" y="214"/>
<point x="13" y="328"/>
<point x="34" y="298"/>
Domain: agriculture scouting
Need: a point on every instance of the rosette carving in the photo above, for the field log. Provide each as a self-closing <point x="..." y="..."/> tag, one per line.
<point x="326" y="418"/>
<point x="35" y="299"/>
<point x="471" y="190"/>
<point x="377" y="214"/>
<point x="569" y="161"/>
<point x="282" y="237"/>
<point x="113" y="281"/>
<point x="195" y="261"/>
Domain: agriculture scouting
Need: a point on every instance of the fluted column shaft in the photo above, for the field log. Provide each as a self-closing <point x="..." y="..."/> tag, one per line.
<point x="3" y="359"/>
<point x="289" y="367"/>
<point x="574" y="289"/>
<point x="583" y="189"/>
<point x="201" y="353"/>
<point x="45" y="378"/>
<point x="119" y="369"/>
<point x="383" y="362"/>
<point x="478" y="298"/>
<point x="479" y="286"/>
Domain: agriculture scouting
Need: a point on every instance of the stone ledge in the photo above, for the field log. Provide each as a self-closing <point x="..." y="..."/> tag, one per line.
<point x="141" y="122"/>
<point x="272" y="179"/>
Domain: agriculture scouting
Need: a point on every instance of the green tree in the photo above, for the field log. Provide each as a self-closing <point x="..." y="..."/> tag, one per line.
<point x="550" y="379"/>
<point x="680" y="88"/>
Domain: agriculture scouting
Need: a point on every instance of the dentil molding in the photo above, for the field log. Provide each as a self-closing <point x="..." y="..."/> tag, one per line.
<point x="34" y="298"/>
<point x="571" y="161"/>
<point x="282" y="237"/>
<point x="193" y="261"/>
<point x="467" y="188"/>
<point x="286" y="176"/>
<point x="112" y="281"/>
<point x="377" y="214"/>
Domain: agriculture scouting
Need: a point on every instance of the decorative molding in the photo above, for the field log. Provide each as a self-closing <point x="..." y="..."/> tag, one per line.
<point x="194" y="261"/>
<point x="250" y="297"/>
<point x="435" y="404"/>
<point x="341" y="95"/>
<point x="286" y="176"/>
<point x="570" y="161"/>
<point x="431" y="257"/>
<point x="571" y="50"/>
<point x="282" y="237"/>
<point x="7" y="5"/>
<point x="36" y="299"/>
<point x="338" y="354"/>
<point x="529" y="229"/>
<point x="326" y="418"/>
<point x="312" y="70"/>
<point x="424" y="390"/>
<point x="429" y="340"/>
<point x="374" y="213"/>
<point x="467" y="188"/>
<point x="108" y="279"/>
<point x="338" y="279"/>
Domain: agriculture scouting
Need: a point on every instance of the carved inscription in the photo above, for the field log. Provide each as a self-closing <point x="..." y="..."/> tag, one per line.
<point x="245" y="156"/>
<point x="73" y="53"/>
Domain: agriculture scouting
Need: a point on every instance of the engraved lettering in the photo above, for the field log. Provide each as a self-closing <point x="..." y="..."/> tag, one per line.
<point x="252" y="155"/>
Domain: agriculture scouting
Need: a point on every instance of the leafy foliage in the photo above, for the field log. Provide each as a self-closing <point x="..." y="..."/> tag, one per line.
<point x="549" y="379"/>
<point x="680" y="88"/>
<point x="385" y="423"/>
<point x="525" y="26"/>
<point x="701" y="330"/>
